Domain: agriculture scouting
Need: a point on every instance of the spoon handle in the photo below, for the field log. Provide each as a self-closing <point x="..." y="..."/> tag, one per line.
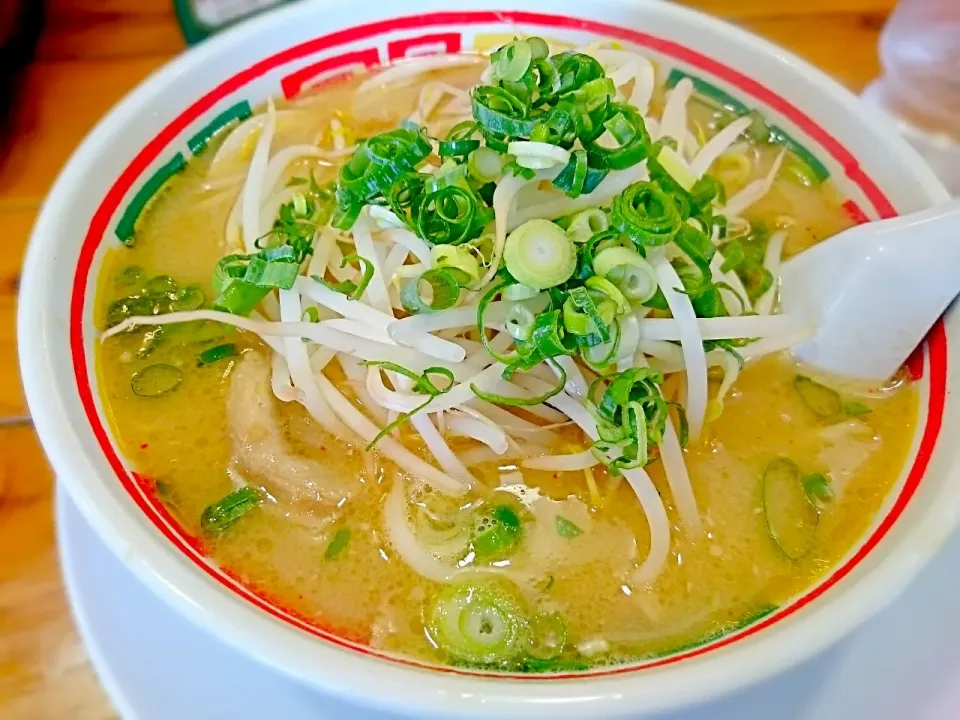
<point x="874" y="291"/>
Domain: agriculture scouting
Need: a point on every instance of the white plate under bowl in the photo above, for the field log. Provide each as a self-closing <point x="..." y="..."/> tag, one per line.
<point x="156" y="665"/>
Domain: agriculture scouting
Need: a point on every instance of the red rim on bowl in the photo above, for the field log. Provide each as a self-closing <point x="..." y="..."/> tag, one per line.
<point x="444" y="37"/>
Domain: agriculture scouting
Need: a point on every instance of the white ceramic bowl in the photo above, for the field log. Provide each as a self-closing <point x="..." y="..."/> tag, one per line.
<point x="150" y="132"/>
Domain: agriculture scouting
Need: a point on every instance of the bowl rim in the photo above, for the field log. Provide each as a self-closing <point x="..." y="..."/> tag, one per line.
<point x="162" y="570"/>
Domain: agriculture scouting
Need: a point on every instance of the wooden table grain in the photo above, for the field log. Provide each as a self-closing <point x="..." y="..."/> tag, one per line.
<point x="91" y="53"/>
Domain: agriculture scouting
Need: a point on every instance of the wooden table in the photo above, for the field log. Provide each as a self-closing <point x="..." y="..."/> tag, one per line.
<point x="91" y="53"/>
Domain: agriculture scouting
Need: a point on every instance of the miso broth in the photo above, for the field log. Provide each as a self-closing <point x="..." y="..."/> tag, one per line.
<point x="538" y="570"/>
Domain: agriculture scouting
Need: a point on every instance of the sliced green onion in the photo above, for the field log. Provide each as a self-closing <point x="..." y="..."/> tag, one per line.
<point x="676" y="167"/>
<point x="519" y="171"/>
<point x="353" y="291"/>
<point x="587" y="223"/>
<point x="631" y="273"/>
<point x="374" y="168"/>
<point x="501" y="113"/>
<point x="240" y="298"/>
<point x="456" y="148"/>
<point x="581" y="317"/>
<point x="791" y="518"/>
<point x="538" y="47"/>
<point x="855" y="408"/>
<point x="457" y="258"/>
<point x="485" y="165"/>
<point x="442" y="287"/>
<point x="161" y="286"/>
<point x="646" y="215"/>
<point x="242" y="281"/>
<point x="513" y="60"/>
<point x="633" y="142"/>
<point x="595" y="176"/>
<point x="422" y="383"/>
<point x="704" y="191"/>
<point x="733" y="256"/>
<point x="120" y="310"/>
<point x="519" y="321"/>
<point x="519" y="291"/>
<point x="271" y="274"/>
<point x="479" y="623"/>
<point x="405" y="193"/>
<point x="156" y="380"/>
<point x="450" y="173"/>
<point x="548" y="340"/>
<point x="129" y="276"/>
<point x="547" y="636"/>
<point x="631" y="416"/>
<point x="449" y="216"/>
<point x="496" y="534"/>
<point x="699" y="251"/>
<point x="482" y="306"/>
<point x="152" y="338"/>
<point x="299" y="202"/>
<point x="574" y="70"/>
<point x="187" y="298"/>
<point x="310" y="314"/>
<point x="339" y="543"/>
<point x="706" y="299"/>
<point x="522" y="401"/>
<point x="822" y="401"/>
<point x="598" y="355"/>
<point x="567" y="529"/>
<point x="539" y="254"/>
<point x="298" y="220"/>
<point x="496" y="142"/>
<point x="200" y="331"/>
<point x="818" y="488"/>
<point x="219" y="352"/>
<point x="560" y="126"/>
<point x="463" y="130"/>
<point x="483" y="246"/>
<point x="800" y="173"/>
<point x="539" y="155"/>
<point x="573" y="177"/>
<point x="601" y="284"/>
<point x="757" y="280"/>
<point x="222" y="514"/>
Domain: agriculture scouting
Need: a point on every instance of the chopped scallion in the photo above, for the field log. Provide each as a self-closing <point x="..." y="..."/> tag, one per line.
<point x="587" y="223"/>
<point x="477" y="622"/>
<point x="222" y="514"/>
<point x="567" y="529"/>
<point x="458" y="258"/>
<point x="353" y="291"/>
<point x="818" y="488"/>
<point x="129" y="276"/>
<point x="822" y="401"/>
<point x="219" y="352"/>
<point x="855" y="408"/>
<point x="630" y="272"/>
<point x="496" y="534"/>
<point x="791" y="517"/>
<point x="485" y="165"/>
<point x="156" y="380"/>
<point x="547" y="636"/>
<point x="436" y="289"/>
<point x="339" y="543"/>
<point x="539" y="254"/>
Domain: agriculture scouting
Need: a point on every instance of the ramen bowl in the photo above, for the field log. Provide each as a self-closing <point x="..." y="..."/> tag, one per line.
<point x="150" y="134"/>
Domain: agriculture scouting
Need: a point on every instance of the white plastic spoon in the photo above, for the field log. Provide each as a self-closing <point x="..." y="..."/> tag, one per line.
<point x="874" y="291"/>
